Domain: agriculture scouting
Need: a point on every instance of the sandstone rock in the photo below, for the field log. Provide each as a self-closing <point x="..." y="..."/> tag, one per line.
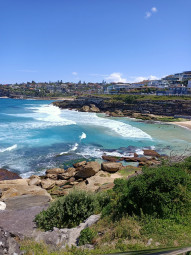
<point x="88" y="170"/>
<point x="59" y="192"/>
<point x="111" y="167"/>
<point x="85" y="108"/>
<point x="47" y="184"/>
<point x="52" y="176"/>
<point x="60" y="182"/>
<point x="119" y="113"/>
<point x="72" y="179"/>
<point x="131" y="159"/>
<point x="79" y="164"/>
<point x="70" y="172"/>
<point x="142" y="159"/>
<point x="34" y="180"/>
<point x="20" y="187"/>
<point x="55" y="171"/>
<point x="93" y="108"/>
<point x="112" y="158"/>
<point x="114" y="114"/>
<point x="105" y="186"/>
<point x="26" y="201"/>
<point x="8" y="175"/>
<point x="67" y="186"/>
<point x="151" y="153"/>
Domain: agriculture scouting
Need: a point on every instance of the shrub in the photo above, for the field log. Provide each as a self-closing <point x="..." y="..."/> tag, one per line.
<point x="163" y="192"/>
<point x="68" y="211"/>
<point x="86" y="236"/>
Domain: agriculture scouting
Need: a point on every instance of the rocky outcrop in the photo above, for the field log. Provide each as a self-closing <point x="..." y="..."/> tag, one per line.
<point x="112" y="158"/>
<point x="88" y="170"/>
<point x="64" y="237"/>
<point x="151" y="153"/>
<point x="8" y="244"/>
<point x="8" y="175"/>
<point x="20" y="187"/>
<point x="111" y="167"/>
<point x="133" y="109"/>
<point x="18" y="217"/>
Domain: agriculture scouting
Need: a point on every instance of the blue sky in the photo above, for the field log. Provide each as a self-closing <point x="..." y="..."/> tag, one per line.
<point x="92" y="40"/>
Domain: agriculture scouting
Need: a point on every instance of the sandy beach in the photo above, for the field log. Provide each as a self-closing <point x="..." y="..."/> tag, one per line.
<point x="185" y="124"/>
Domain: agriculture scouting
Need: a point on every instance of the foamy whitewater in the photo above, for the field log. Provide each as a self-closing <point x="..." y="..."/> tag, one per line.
<point x="35" y="135"/>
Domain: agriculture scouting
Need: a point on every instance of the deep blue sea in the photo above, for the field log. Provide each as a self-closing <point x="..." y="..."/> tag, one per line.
<point x="35" y="135"/>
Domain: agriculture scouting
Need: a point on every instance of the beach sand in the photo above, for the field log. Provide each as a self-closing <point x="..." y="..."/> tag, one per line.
<point x="185" y="124"/>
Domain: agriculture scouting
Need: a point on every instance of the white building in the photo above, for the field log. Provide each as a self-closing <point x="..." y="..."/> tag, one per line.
<point x="189" y="84"/>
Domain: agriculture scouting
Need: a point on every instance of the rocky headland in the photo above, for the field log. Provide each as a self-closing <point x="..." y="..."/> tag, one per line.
<point x="140" y="109"/>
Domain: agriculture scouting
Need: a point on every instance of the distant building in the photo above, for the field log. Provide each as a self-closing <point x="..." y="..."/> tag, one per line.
<point x="117" y="88"/>
<point x="158" y="83"/>
<point x="189" y="84"/>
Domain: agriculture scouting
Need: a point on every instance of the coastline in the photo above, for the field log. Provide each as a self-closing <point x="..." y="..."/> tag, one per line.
<point x="183" y="124"/>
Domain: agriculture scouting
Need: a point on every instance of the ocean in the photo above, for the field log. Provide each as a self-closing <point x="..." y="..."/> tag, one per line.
<point x="35" y="136"/>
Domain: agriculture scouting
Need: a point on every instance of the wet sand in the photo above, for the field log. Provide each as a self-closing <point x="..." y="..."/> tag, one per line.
<point x="185" y="124"/>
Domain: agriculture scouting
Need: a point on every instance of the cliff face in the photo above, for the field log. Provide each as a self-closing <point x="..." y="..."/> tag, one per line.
<point x="167" y="108"/>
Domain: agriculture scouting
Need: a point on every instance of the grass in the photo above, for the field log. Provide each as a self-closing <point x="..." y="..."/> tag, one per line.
<point x="128" y="170"/>
<point x="145" y="97"/>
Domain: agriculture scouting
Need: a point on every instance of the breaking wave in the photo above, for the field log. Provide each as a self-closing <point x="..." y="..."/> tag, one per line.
<point x="9" y="148"/>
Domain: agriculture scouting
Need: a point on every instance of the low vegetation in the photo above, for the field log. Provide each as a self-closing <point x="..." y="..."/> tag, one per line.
<point x="152" y="210"/>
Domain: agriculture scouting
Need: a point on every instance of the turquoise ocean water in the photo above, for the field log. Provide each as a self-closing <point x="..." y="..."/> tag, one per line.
<point x="35" y="135"/>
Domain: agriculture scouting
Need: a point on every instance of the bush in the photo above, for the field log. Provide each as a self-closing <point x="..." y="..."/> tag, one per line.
<point x="86" y="236"/>
<point x="68" y="211"/>
<point x="163" y="192"/>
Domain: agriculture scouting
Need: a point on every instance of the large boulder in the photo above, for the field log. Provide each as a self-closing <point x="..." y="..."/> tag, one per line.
<point x="85" y="108"/>
<point x="79" y="164"/>
<point x="8" y="175"/>
<point x="111" y="167"/>
<point x="54" y="172"/>
<point x="93" y="108"/>
<point x="34" y="180"/>
<point x="88" y="170"/>
<point x="151" y="153"/>
<point x="70" y="172"/>
<point x="47" y="184"/>
<point x="112" y="158"/>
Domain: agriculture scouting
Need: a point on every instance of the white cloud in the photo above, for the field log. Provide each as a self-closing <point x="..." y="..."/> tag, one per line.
<point x="74" y="73"/>
<point x="148" y="15"/>
<point x="154" y="9"/>
<point x="115" y="77"/>
<point x="143" y="78"/>
<point x="151" y="12"/>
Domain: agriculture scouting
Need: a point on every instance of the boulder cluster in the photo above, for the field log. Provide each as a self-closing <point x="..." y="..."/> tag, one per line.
<point x="83" y="175"/>
<point x="92" y="175"/>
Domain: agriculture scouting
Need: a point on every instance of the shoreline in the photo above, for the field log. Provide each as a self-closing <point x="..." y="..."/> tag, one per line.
<point x="183" y="124"/>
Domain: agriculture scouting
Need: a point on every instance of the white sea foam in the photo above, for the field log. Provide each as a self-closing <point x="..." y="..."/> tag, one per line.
<point x="74" y="148"/>
<point x="9" y="148"/>
<point x="82" y="136"/>
<point x="98" y="153"/>
<point x="112" y="127"/>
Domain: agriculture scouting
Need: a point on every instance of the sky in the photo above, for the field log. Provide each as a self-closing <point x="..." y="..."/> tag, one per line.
<point x="93" y="40"/>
